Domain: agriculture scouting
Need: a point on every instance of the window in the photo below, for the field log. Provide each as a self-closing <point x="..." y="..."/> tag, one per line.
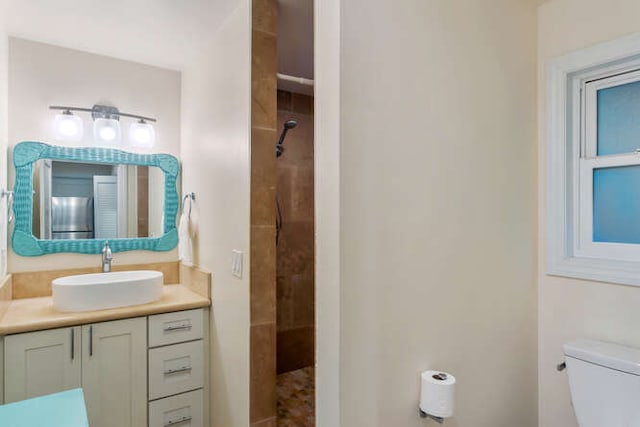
<point x="593" y="163"/>
<point x="608" y="219"/>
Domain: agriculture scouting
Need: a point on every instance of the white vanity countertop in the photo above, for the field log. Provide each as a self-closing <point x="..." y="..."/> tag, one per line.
<point x="33" y="314"/>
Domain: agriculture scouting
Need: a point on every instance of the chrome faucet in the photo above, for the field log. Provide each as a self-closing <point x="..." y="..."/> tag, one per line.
<point x="106" y="257"/>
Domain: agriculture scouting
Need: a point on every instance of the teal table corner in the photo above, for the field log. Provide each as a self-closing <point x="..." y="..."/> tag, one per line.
<point x="65" y="409"/>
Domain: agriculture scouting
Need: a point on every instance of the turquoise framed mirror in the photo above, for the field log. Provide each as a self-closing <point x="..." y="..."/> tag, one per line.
<point x="70" y="199"/>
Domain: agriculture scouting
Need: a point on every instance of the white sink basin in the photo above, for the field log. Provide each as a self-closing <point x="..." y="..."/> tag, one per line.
<point x="99" y="291"/>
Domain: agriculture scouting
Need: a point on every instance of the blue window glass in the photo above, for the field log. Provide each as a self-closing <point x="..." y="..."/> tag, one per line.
<point x="616" y="204"/>
<point x="619" y="119"/>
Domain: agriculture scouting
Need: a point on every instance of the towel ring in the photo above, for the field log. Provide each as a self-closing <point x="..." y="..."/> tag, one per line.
<point x="192" y="198"/>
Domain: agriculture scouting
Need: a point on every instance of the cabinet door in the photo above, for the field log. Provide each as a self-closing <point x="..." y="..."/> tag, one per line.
<point x="114" y="365"/>
<point x="39" y="363"/>
<point x="1" y="371"/>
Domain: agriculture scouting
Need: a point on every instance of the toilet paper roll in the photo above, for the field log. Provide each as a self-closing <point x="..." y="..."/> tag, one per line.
<point x="437" y="393"/>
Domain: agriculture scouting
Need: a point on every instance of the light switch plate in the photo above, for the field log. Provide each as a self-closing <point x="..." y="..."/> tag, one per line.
<point x="236" y="263"/>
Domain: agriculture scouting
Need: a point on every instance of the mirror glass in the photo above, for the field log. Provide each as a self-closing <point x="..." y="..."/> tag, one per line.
<point x="74" y="199"/>
<point x="79" y="200"/>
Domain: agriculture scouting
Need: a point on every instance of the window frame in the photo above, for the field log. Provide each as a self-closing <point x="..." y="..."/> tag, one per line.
<point x="568" y="252"/>
<point x="589" y="161"/>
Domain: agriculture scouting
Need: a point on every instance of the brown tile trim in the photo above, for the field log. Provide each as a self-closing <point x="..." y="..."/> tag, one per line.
<point x="5" y="294"/>
<point x="269" y="422"/>
<point x="263" y="372"/>
<point x="196" y="279"/>
<point x="261" y="324"/>
<point x="263" y="182"/>
<point x="35" y="284"/>
<point x="265" y="16"/>
<point x="263" y="80"/>
<point x="263" y="176"/>
<point x="263" y="274"/>
<point x="272" y="129"/>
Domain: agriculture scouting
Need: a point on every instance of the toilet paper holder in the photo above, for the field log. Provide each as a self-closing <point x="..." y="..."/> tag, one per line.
<point x="436" y="395"/>
<point x="423" y="414"/>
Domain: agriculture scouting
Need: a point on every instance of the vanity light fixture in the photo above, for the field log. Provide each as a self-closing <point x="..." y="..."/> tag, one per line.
<point x="106" y="126"/>
<point x="67" y="127"/>
<point x="142" y="134"/>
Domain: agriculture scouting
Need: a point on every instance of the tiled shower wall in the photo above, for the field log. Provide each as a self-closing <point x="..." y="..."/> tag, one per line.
<point x="295" y="249"/>
<point x="263" y="192"/>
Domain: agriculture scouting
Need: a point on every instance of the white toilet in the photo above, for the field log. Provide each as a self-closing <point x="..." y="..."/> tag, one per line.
<point x="605" y="383"/>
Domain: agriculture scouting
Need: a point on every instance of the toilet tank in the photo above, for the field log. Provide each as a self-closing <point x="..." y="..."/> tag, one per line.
<point x="605" y="383"/>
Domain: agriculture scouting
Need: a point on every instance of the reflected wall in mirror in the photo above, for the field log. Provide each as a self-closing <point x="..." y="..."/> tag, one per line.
<point x="73" y="199"/>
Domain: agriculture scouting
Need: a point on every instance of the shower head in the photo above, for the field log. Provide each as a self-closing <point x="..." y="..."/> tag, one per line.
<point x="289" y="124"/>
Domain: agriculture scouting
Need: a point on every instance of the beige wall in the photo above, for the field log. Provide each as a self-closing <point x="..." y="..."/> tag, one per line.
<point x="4" y="89"/>
<point x="571" y="308"/>
<point x="215" y="154"/>
<point x="163" y="33"/>
<point x="41" y="75"/>
<point x="438" y="209"/>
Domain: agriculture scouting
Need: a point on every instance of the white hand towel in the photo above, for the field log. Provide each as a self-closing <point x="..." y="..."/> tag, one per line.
<point x="184" y="240"/>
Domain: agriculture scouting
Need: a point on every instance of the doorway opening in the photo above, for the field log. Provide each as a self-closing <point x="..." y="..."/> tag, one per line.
<point x="282" y="247"/>
<point x="295" y="290"/>
<point x="295" y="241"/>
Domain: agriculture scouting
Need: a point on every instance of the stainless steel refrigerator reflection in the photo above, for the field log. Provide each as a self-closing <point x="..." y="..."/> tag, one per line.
<point x="72" y="218"/>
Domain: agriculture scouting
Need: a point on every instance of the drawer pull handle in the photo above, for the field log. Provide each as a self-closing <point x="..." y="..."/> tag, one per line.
<point x="178" y="421"/>
<point x="175" y="371"/>
<point x="177" y="328"/>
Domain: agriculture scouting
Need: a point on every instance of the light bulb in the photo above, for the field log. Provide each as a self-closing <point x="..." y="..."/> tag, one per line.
<point x="106" y="131"/>
<point x="107" y="134"/>
<point x="142" y="134"/>
<point x="67" y="127"/>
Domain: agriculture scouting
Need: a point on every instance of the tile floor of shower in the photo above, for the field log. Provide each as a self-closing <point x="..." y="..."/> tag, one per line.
<point x="295" y="391"/>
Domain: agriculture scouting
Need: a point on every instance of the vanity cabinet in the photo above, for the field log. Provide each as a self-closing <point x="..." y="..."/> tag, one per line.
<point x="1" y="370"/>
<point x="43" y="362"/>
<point x="108" y="360"/>
<point x="143" y="371"/>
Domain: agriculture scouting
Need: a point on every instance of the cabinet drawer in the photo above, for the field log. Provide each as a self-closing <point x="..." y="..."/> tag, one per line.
<point x="171" y="328"/>
<point x="175" y="369"/>
<point x="183" y="410"/>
